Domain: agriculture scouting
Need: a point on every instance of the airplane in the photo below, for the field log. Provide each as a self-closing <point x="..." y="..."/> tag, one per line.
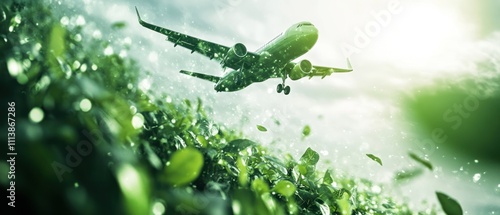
<point x="273" y="60"/>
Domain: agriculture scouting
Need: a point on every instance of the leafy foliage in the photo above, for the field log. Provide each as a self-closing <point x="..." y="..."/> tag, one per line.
<point x="143" y="153"/>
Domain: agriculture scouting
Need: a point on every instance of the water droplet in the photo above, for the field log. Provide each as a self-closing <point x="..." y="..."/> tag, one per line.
<point x="14" y="67"/>
<point x="476" y="161"/>
<point x="80" y="20"/>
<point x="76" y="64"/>
<point x="83" y="67"/>
<point x="145" y="84"/>
<point x="108" y="51"/>
<point x="476" y="177"/>
<point x="76" y="185"/>
<point x="85" y="105"/>
<point x="97" y="34"/>
<point x="36" y="115"/>
<point x="78" y="37"/>
<point x="158" y="208"/>
<point x="153" y="57"/>
<point x="64" y="20"/>
<point x="137" y="121"/>
<point x="94" y="67"/>
<point x="133" y="109"/>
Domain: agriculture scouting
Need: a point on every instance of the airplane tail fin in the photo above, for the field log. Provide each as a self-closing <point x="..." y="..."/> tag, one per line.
<point x="211" y="78"/>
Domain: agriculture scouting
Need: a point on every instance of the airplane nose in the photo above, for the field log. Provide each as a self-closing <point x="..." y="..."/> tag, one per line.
<point x="312" y="35"/>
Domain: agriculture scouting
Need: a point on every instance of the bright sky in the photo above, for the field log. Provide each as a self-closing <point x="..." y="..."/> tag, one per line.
<point x="396" y="44"/>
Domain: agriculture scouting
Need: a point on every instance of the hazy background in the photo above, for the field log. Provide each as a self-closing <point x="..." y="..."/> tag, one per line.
<point x="419" y="52"/>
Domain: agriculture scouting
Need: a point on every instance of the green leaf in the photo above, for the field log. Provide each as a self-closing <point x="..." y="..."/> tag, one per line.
<point x="344" y="205"/>
<point x="310" y="157"/>
<point x="327" y="179"/>
<point x="119" y="25"/>
<point x="243" y="173"/>
<point x="306" y="131"/>
<point x="184" y="167"/>
<point x="450" y="206"/>
<point x="285" y="188"/>
<point x="261" y="128"/>
<point x="421" y="160"/>
<point x="235" y="146"/>
<point x="260" y="186"/>
<point x="407" y="174"/>
<point x="375" y="158"/>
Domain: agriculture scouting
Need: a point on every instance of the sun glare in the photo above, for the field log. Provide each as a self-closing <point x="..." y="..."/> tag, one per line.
<point x="423" y="35"/>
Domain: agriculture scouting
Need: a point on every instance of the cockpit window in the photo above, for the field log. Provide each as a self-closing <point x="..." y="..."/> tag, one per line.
<point x="304" y="24"/>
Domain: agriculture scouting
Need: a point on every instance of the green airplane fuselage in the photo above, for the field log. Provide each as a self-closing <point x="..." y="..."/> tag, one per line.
<point x="274" y="56"/>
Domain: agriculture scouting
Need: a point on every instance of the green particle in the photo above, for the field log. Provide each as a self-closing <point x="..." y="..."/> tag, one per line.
<point x="36" y="115"/>
<point x="306" y="131"/>
<point x="375" y="158"/>
<point x="85" y="105"/>
<point x="285" y="188"/>
<point x="261" y="128"/>
<point x="184" y="167"/>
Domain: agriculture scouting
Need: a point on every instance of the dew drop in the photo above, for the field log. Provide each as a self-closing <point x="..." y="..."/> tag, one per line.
<point x="476" y="177"/>
<point x="85" y="105"/>
<point x="137" y="121"/>
<point x="158" y="208"/>
<point x="36" y="115"/>
<point x="14" y="67"/>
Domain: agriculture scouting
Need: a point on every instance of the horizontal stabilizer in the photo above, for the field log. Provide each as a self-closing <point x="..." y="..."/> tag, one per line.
<point x="211" y="78"/>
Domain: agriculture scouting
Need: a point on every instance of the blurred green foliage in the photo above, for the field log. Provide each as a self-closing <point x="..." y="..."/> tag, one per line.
<point x="461" y="114"/>
<point x="100" y="145"/>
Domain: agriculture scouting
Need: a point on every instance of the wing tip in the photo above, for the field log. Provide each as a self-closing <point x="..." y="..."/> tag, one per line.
<point x="138" y="16"/>
<point x="349" y="66"/>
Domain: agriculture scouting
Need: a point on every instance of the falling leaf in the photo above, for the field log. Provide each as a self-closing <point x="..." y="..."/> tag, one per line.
<point x="420" y="160"/>
<point x="306" y="131"/>
<point x="261" y="128"/>
<point x="118" y="25"/>
<point x="407" y="174"/>
<point x="450" y="206"/>
<point x="375" y="158"/>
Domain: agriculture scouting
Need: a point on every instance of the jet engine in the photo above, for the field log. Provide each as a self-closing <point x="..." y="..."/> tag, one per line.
<point x="235" y="55"/>
<point x="301" y="69"/>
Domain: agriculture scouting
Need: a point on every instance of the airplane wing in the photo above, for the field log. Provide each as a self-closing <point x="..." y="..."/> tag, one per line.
<point x="325" y="71"/>
<point x="211" y="78"/>
<point x="206" y="48"/>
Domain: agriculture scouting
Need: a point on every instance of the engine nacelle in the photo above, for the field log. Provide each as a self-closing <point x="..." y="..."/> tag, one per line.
<point x="235" y="55"/>
<point x="301" y="69"/>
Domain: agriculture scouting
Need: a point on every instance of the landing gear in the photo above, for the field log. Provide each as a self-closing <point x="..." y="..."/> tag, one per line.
<point x="286" y="91"/>
<point x="283" y="88"/>
<point x="279" y="89"/>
